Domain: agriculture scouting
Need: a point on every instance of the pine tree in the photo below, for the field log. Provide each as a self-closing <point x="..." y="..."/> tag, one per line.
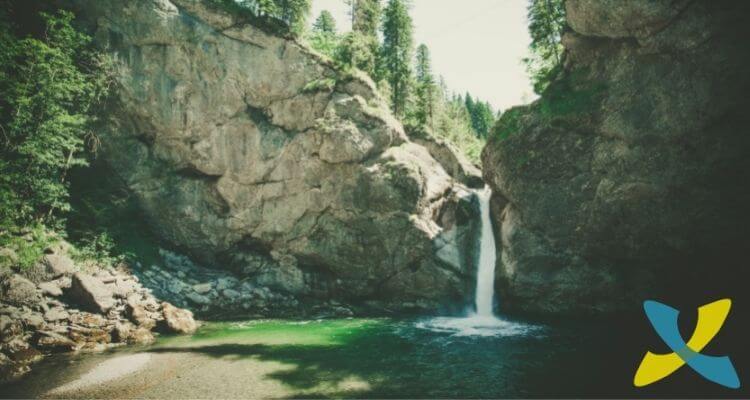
<point x="546" y="25"/>
<point x="360" y="48"/>
<point x="366" y="15"/>
<point x="398" y="46"/>
<point x="426" y="89"/>
<point x="323" y="37"/>
<point x="294" y="13"/>
<point x="325" y="24"/>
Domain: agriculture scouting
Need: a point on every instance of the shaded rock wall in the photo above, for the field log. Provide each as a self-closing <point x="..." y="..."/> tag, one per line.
<point x="628" y="179"/>
<point x="240" y="143"/>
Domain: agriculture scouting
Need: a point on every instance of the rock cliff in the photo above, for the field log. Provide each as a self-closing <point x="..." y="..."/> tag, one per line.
<point x="255" y="155"/>
<point x="629" y="177"/>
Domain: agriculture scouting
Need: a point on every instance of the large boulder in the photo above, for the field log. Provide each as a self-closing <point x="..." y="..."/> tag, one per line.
<point x="238" y="143"/>
<point x="628" y="179"/>
<point x="19" y="291"/>
<point x="178" y="320"/>
<point x="91" y="293"/>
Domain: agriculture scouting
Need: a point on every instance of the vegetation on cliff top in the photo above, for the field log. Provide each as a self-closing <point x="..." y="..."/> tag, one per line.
<point x="404" y="76"/>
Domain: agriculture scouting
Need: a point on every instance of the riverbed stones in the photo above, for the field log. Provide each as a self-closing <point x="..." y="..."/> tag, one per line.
<point x="54" y="342"/>
<point x="202" y="288"/>
<point x="35" y="319"/>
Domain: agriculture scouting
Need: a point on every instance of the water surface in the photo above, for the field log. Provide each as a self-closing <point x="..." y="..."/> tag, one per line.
<point x="363" y="358"/>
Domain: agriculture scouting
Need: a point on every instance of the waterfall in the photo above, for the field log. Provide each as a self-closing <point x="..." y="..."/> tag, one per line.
<point x="485" y="293"/>
<point x="483" y="322"/>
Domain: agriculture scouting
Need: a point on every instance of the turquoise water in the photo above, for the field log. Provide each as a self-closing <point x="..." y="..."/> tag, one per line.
<point x="377" y="358"/>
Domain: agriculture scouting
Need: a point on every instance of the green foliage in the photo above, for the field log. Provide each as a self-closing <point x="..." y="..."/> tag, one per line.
<point x="49" y="86"/>
<point x="426" y="89"/>
<point x="27" y="245"/>
<point x="481" y="114"/>
<point x="264" y="13"/>
<point x="324" y="43"/>
<point x="570" y="97"/>
<point x="546" y="25"/>
<point x="325" y="24"/>
<point x="397" y="50"/>
<point x="509" y="123"/>
<point x="320" y="85"/>
<point x="106" y="224"/>
<point x="98" y="249"/>
<point x="359" y="51"/>
<point x="366" y="16"/>
<point x="323" y="37"/>
<point x="573" y="94"/>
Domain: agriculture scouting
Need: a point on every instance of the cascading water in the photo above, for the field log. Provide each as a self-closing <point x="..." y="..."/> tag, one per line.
<point x="482" y="322"/>
<point x="485" y="294"/>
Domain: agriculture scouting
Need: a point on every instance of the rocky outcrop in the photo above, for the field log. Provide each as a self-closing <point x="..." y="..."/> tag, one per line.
<point x="241" y="144"/>
<point x="628" y="178"/>
<point x="45" y="318"/>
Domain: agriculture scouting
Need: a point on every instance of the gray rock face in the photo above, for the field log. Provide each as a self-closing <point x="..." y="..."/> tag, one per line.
<point x="628" y="178"/>
<point x="237" y="146"/>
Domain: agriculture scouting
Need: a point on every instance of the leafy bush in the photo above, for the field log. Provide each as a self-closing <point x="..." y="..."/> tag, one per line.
<point x="25" y="245"/>
<point x="48" y="88"/>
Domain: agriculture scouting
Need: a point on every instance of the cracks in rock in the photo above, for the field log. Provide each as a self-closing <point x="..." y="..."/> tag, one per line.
<point x="221" y="30"/>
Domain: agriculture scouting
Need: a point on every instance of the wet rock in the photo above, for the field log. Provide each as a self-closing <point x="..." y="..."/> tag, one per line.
<point x="202" y="288"/>
<point x="138" y="314"/>
<point x="91" y="293"/>
<point x="122" y="331"/>
<point x="178" y="320"/>
<point x="86" y="337"/>
<point x="54" y="342"/>
<point x="198" y="299"/>
<point x="141" y="336"/>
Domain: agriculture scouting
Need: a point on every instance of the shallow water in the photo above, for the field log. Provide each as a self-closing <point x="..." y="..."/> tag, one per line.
<point x="373" y="358"/>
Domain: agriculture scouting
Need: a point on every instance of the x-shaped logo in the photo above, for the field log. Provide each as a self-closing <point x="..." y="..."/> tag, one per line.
<point x="711" y="317"/>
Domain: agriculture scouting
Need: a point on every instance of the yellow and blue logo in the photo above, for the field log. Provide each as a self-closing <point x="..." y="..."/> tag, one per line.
<point x="711" y="317"/>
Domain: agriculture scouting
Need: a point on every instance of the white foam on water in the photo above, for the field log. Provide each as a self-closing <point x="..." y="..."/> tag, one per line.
<point x="477" y="325"/>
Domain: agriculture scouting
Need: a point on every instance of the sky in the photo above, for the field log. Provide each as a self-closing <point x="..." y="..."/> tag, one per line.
<point x="477" y="45"/>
